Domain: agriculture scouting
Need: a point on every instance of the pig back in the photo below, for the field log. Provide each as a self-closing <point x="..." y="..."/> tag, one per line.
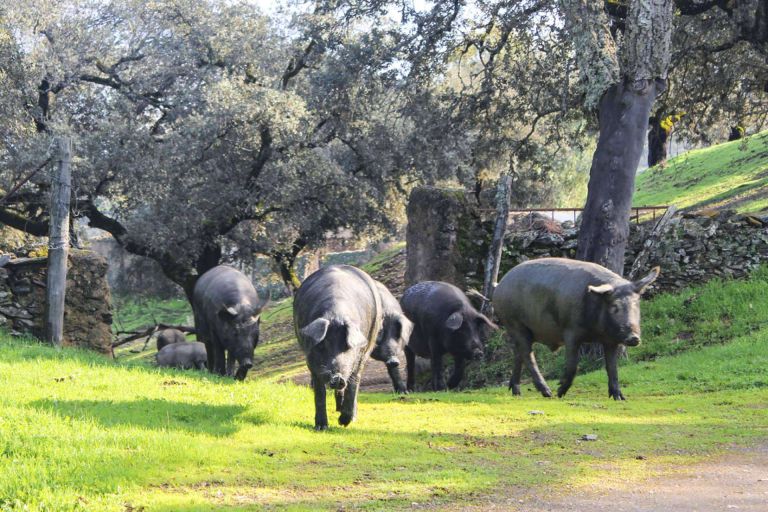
<point x="430" y="302"/>
<point x="550" y="294"/>
<point x="224" y="286"/>
<point x="340" y="292"/>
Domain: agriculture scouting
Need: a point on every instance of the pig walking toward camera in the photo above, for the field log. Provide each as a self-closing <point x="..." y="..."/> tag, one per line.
<point x="444" y="322"/>
<point x="337" y="314"/>
<point x="227" y="310"/>
<point x="557" y="302"/>
<point x="394" y="334"/>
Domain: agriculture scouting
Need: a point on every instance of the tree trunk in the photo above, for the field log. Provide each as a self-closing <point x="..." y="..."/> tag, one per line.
<point x="658" y="141"/>
<point x="624" y="111"/>
<point x="58" y="246"/>
<point x="286" y="264"/>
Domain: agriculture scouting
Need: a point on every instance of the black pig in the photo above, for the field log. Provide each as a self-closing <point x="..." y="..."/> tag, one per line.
<point x="395" y="332"/>
<point x="337" y="314"/>
<point x="227" y="310"/>
<point x="444" y="322"/>
<point x="557" y="301"/>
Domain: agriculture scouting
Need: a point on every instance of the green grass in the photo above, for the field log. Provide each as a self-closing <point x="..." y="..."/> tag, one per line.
<point x="133" y="314"/>
<point x="79" y="432"/>
<point x="732" y="175"/>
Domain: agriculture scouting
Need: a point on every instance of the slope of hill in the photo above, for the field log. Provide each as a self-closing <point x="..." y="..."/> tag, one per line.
<point x="731" y="175"/>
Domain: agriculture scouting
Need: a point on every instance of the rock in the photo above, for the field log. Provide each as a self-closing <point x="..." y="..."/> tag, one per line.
<point x="589" y="437"/>
<point x="535" y="413"/>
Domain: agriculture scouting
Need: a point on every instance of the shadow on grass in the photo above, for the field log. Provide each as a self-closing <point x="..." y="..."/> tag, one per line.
<point x="215" y="420"/>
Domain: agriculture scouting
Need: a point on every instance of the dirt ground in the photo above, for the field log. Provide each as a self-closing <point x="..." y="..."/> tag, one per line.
<point x="736" y="481"/>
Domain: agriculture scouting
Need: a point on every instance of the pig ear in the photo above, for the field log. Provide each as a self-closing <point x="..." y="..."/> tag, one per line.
<point x="406" y="329"/>
<point x="316" y="330"/>
<point x="228" y="312"/>
<point x="454" y="321"/>
<point x="643" y="283"/>
<point x="355" y="338"/>
<point x="603" y="289"/>
<point x="484" y="320"/>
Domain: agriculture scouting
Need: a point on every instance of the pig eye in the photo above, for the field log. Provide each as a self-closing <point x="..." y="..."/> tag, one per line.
<point x="615" y="309"/>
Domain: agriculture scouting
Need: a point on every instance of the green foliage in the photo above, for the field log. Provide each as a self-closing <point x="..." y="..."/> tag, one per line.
<point x="133" y="314"/>
<point x="733" y="175"/>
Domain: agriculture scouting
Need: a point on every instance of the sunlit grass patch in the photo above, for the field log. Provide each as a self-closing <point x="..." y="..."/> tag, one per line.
<point x="80" y="432"/>
<point x="733" y="174"/>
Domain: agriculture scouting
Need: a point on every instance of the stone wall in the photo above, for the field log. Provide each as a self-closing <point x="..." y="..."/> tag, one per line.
<point x="439" y="223"/>
<point x="692" y="249"/>
<point x="87" y="316"/>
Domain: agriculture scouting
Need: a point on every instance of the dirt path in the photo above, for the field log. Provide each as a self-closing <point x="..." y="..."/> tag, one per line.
<point x="736" y="481"/>
<point x="375" y="377"/>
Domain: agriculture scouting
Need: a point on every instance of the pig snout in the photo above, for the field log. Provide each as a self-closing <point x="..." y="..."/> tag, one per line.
<point x="393" y="362"/>
<point x="632" y="340"/>
<point x="245" y="365"/>
<point x="477" y="354"/>
<point x="337" y="382"/>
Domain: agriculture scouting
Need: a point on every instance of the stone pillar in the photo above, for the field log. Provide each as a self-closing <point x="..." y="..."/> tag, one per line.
<point x="437" y="222"/>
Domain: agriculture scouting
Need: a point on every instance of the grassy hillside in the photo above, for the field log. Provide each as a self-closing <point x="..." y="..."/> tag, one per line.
<point x="731" y="175"/>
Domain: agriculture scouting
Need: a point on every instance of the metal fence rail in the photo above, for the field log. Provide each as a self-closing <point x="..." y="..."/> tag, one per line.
<point x="636" y="212"/>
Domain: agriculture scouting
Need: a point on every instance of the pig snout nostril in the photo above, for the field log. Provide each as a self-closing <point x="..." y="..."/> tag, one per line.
<point x="393" y="362"/>
<point x="337" y="382"/>
<point x="633" y="340"/>
<point x="477" y="355"/>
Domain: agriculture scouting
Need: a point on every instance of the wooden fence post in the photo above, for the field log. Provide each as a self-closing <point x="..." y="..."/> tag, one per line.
<point x="492" y="264"/>
<point x="58" y="244"/>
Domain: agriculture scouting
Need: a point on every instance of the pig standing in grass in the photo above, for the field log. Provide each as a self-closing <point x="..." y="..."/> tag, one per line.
<point x="337" y="314"/>
<point x="395" y="332"/>
<point x="168" y="337"/>
<point x="227" y="310"/>
<point x="444" y="322"/>
<point x="183" y="355"/>
<point x="557" y="301"/>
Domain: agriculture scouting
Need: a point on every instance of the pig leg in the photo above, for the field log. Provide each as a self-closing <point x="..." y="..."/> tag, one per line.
<point x="410" y="361"/>
<point x="438" y="380"/>
<point x="571" y="366"/>
<point x="219" y="360"/>
<point x="209" y="356"/>
<point x="518" y="345"/>
<point x="321" y="415"/>
<point x="349" y="405"/>
<point x="397" y="380"/>
<point x="230" y="365"/>
<point x="339" y="396"/>
<point x="458" y="372"/>
<point x="611" y="353"/>
<point x="525" y="347"/>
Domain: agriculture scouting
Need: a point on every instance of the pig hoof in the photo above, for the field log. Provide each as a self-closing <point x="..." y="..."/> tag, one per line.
<point x="617" y="396"/>
<point x="320" y="428"/>
<point x="561" y="392"/>
<point x="345" y="419"/>
<point x="515" y="389"/>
